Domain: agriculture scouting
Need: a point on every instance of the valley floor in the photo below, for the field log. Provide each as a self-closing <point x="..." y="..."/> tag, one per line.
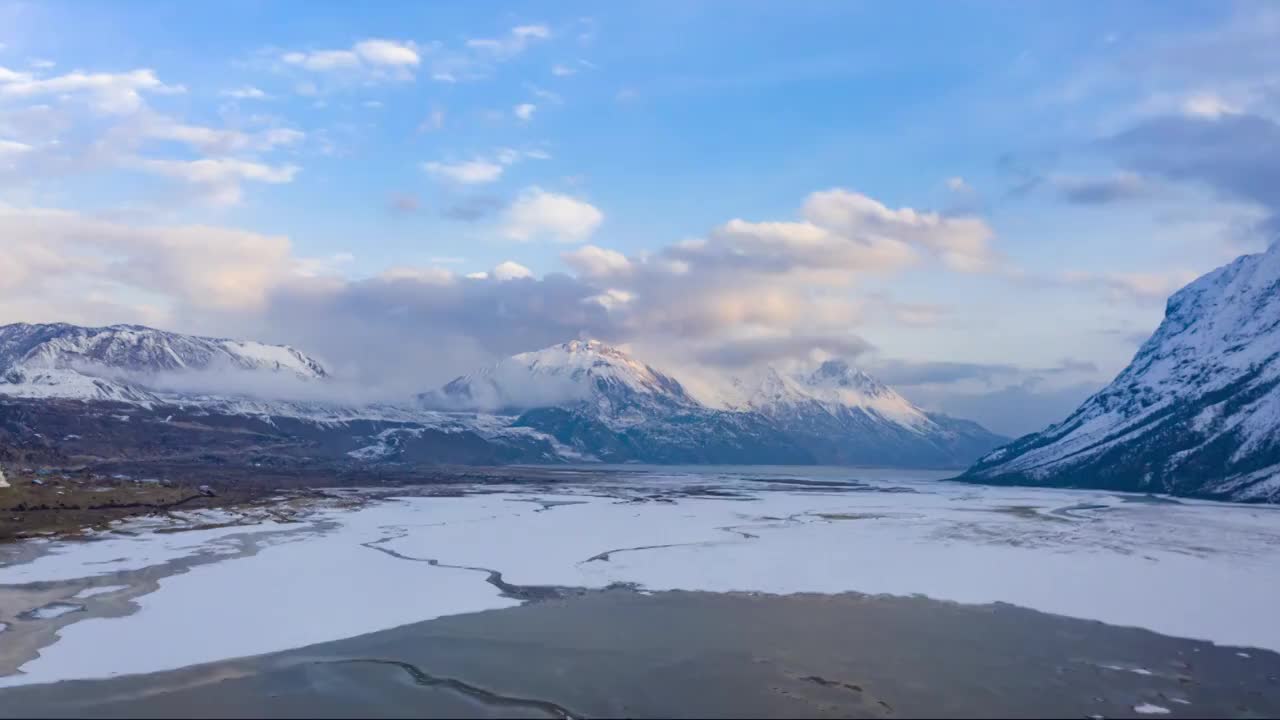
<point x="837" y="592"/>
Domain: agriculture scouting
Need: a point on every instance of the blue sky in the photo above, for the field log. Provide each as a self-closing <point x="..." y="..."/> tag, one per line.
<point x="985" y="202"/>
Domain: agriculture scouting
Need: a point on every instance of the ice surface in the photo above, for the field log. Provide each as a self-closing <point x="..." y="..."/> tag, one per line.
<point x="71" y="559"/>
<point x="1191" y="569"/>
<point x="101" y="590"/>
<point x="305" y="590"/>
<point x="53" y="610"/>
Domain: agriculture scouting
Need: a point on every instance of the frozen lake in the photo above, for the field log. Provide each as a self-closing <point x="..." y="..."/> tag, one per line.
<point x="154" y="600"/>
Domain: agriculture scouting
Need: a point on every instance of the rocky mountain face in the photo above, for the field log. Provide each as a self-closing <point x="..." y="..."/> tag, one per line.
<point x="1197" y="411"/>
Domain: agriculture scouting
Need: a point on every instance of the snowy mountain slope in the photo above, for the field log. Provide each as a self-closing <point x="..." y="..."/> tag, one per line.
<point x="1197" y="411"/>
<point x="581" y="400"/>
<point x="144" y="349"/>
<point x="127" y="366"/>
<point x="602" y="401"/>
<point x="605" y="404"/>
<point x="619" y="388"/>
<point x="834" y="389"/>
<point x="126" y="372"/>
<point x="115" y="363"/>
<point x="843" y="415"/>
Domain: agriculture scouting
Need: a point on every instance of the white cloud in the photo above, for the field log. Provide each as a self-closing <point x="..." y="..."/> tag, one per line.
<point x="13" y="147"/>
<point x="778" y="288"/>
<point x="371" y="59"/>
<point x="513" y="43"/>
<point x="472" y="172"/>
<point x="269" y="139"/>
<point x="960" y="242"/>
<point x="54" y="252"/>
<point x="611" y="299"/>
<point x="387" y="52"/>
<point x="13" y="76"/>
<point x="744" y="291"/>
<point x="323" y="60"/>
<point x="786" y="247"/>
<point x="511" y="271"/>
<point x="958" y="184"/>
<point x="563" y="70"/>
<point x="218" y="179"/>
<point x="216" y="141"/>
<point x="322" y="266"/>
<point x="112" y="93"/>
<point x="527" y="32"/>
<point x="537" y="213"/>
<point x="205" y="138"/>
<point x="428" y="275"/>
<point x="245" y="92"/>
<point x="525" y="111"/>
<point x="1208" y="105"/>
<point x="591" y="261"/>
<point x="482" y="170"/>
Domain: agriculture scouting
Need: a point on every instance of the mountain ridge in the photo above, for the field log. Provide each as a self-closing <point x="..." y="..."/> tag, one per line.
<point x="575" y="401"/>
<point x="1196" y="412"/>
<point x="836" y="414"/>
<point x="110" y="362"/>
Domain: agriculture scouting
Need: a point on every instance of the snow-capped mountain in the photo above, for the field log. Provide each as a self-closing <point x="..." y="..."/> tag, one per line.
<point x="118" y="362"/>
<point x="128" y="390"/>
<point x="834" y="389"/>
<point x="1197" y="411"/>
<point x="603" y="402"/>
<point x="843" y="415"/>
<point x="615" y="385"/>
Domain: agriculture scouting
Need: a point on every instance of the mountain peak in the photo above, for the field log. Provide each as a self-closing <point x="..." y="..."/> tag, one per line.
<point x="834" y="389"/>
<point x="590" y="346"/>
<point x="587" y="345"/>
<point x="840" y="373"/>
<point x="577" y="373"/>
<point x="834" y="366"/>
